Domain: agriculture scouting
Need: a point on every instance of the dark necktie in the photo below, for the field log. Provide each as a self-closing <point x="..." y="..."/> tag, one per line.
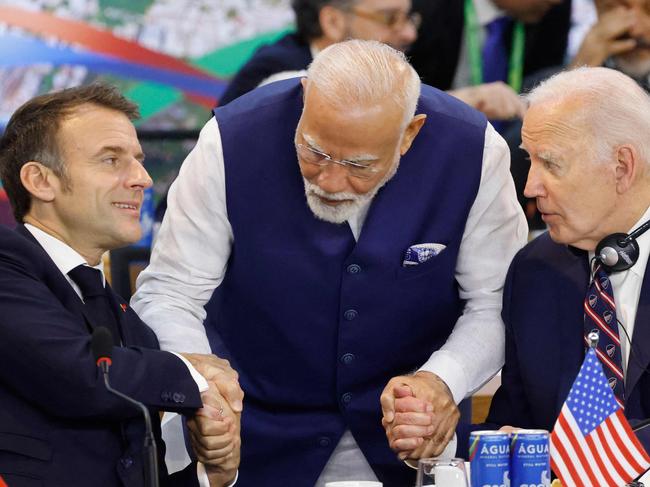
<point x="494" y="53"/>
<point x="95" y="297"/>
<point x="600" y="317"/>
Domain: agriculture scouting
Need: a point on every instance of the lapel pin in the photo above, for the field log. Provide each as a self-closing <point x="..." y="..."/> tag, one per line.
<point x="123" y="306"/>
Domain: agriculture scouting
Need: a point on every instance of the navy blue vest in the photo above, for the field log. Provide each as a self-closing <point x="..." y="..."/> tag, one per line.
<point x="314" y="322"/>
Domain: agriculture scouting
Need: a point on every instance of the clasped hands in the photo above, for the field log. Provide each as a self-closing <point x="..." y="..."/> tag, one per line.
<point x="419" y="415"/>
<point x="215" y="428"/>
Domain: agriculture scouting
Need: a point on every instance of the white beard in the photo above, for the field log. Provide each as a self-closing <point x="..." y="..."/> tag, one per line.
<point x="335" y="213"/>
<point x="343" y="211"/>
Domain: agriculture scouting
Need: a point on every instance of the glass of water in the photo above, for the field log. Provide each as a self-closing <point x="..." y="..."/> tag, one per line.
<point x="441" y="472"/>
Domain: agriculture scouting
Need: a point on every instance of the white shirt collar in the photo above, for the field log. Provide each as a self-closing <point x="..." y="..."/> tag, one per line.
<point x="486" y="11"/>
<point x="64" y="257"/>
<point x="644" y="246"/>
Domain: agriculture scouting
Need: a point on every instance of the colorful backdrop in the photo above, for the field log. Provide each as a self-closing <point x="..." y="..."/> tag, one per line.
<point x="171" y="57"/>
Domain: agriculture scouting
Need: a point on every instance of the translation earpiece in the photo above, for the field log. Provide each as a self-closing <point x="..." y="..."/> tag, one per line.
<point x="617" y="252"/>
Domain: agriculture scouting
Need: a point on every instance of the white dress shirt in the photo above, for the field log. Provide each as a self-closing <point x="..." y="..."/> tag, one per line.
<point x="486" y="12"/>
<point x="627" y="291"/>
<point x="65" y="258"/>
<point x="190" y="258"/>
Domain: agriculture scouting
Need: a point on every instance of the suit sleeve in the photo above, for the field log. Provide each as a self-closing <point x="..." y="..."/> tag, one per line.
<point x="45" y="354"/>
<point x="509" y="405"/>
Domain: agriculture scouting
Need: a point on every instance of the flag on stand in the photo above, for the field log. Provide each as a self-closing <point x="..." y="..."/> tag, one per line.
<point x="592" y="443"/>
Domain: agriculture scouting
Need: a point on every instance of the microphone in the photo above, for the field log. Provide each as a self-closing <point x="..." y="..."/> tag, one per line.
<point x="102" y="346"/>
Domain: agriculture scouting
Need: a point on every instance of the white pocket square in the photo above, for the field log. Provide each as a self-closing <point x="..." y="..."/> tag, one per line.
<point x="417" y="254"/>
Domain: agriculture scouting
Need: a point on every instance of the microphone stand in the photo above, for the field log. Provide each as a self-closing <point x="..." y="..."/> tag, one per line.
<point x="151" y="451"/>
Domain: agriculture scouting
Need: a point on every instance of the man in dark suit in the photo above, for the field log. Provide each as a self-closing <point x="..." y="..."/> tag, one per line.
<point x="72" y="167"/>
<point x="440" y="54"/>
<point x="320" y="23"/>
<point x="437" y="51"/>
<point x="586" y="135"/>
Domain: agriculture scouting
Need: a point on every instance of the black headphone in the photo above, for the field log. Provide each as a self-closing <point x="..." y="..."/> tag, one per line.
<point x="620" y="251"/>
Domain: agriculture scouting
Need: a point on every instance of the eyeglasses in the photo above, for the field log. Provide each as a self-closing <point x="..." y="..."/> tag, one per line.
<point x="393" y="19"/>
<point x="356" y="169"/>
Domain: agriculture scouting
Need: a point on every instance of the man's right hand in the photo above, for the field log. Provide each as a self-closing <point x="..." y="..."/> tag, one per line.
<point x="215" y="437"/>
<point x="221" y="374"/>
<point x="606" y="38"/>
<point x="496" y="100"/>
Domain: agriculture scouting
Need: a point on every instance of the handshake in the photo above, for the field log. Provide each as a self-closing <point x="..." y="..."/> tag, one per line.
<point x="215" y="428"/>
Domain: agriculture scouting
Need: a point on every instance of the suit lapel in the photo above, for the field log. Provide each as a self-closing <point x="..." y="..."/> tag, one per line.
<point x="571" y="317"/>
<point x="61" y="287"/>
<point x="639" y="354"/>
<point x="71" y="300"/>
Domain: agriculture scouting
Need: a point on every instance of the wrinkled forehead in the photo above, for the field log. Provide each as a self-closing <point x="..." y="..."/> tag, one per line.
<point x="336" y="126"/>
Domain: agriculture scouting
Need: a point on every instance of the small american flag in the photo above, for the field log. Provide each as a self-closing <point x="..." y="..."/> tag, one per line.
<point x="592" y="443"/>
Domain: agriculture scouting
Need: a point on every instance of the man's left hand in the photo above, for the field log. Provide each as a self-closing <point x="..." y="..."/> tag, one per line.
<point x="419" y="415"/>
<point x="215" y="436"/>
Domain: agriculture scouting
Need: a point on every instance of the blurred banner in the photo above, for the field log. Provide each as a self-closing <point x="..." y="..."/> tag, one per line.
<point x="171" y="57"/>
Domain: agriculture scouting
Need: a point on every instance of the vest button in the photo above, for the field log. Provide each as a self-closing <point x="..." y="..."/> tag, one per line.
<point x="354" y="269"/>
<point x="347" y="358"/>
<point x="350" y="314"/>
<point x="346" y="398"/>
<point x="127" y="462"/>
<point x="324" y="441"/>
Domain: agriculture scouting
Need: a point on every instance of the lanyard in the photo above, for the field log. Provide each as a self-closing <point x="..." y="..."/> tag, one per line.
<point x="516" y="62"/>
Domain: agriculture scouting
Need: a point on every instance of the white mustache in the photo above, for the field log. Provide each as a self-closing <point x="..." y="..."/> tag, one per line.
<point x="340" y="196"/>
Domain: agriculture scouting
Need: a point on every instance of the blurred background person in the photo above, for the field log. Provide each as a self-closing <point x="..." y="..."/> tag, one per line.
<point x="321" y="23"/>
<point x="482" y="49"/>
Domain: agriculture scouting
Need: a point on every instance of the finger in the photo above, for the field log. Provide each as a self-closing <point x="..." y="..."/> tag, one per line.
<point x="404" y="446"/>
<point x="232" y="393"/>
<point x="215" y="457"/>
<point x="387" y="401"/>
<point x="210" y="411"/>
<point x="520" y="108"/>
<point x="416" y="419"/>
<point x="621" y="46"/>
<point x="411" y="431"/>
<point x="209" y="427"/>
<point x="412" y="404"/>
<point x="403" y="390"/>
<point x="213" y="447"/>
<point x="216" y="442"/>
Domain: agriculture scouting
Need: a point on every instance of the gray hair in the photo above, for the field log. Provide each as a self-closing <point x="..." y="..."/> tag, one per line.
<point x="360" y="73"/>
<point x="613" y="108"/>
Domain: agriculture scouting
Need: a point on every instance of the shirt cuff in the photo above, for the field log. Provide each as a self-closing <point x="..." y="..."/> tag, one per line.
<point x="201" y="383"/>
<point x="448" y="452"/>
<point x="445" y="366"/>
<point x="202" y="475"/>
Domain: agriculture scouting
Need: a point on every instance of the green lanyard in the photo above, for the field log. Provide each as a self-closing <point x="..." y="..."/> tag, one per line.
<point x="516" y="63"/>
